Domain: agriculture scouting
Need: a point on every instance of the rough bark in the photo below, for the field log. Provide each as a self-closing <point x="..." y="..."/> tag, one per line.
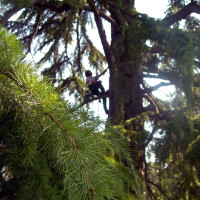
<point x="192" y="7"/>
<point x="127" y="96"/>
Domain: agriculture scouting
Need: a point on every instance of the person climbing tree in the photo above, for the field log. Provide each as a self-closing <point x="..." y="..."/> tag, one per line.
<point x="94" y="85"/>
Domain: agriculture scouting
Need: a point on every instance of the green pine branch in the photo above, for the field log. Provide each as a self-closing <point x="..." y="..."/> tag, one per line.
<point x="49" y="138"/>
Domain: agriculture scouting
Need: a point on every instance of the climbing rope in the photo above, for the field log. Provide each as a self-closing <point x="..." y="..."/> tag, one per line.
<point x="33" y="57"/>
<point x="98" y="108"/>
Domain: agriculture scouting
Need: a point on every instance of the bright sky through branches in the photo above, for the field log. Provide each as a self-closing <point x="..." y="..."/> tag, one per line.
<point x="153" y="8"/>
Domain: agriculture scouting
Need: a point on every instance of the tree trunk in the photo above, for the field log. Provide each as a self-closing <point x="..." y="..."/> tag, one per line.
<point x="126" y="95"/>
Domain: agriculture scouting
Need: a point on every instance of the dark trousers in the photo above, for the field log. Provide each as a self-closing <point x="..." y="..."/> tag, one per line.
<point x="95" y="91"/>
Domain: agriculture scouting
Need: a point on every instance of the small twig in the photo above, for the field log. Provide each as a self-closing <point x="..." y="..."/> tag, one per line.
<point x="35" y="29"/>
<point x="151" y="135"/>
<point x="159" y="188"/>
<point x="146" y="175"/>
<point x="151" y="99"/>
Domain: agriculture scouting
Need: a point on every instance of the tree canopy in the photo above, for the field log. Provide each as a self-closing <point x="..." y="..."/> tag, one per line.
<point x="141" y="48"/>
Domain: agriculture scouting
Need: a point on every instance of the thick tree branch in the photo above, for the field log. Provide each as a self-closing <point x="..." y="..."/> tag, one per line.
<point x="8" y="15"/>
<point x="102" y="34"/>
<point x="162" y="84"/>
<point x="103" y="15"/>
<point x="192" y="7"/>
<point x="53" y="6"/>
<point x="65" y="83"/>
<point x="154" y="76"/>
<point x="68" y="7"/>
<point x="92" y="98"/>
<point x="78" y="45"/>
<point x="171" y="76"/>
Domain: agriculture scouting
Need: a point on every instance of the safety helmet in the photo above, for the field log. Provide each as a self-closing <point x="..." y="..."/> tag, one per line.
<point x="88" y="73"/>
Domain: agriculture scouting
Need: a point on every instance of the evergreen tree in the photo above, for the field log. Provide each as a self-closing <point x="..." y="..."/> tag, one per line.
<point x="49" y="149"/>
<point x="141" y="48"/>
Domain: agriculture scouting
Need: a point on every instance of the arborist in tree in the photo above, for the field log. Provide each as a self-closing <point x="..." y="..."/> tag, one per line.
<point x="94" y="85"/>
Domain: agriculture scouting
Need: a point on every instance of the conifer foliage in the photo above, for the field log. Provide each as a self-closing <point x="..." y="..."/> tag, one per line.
<point x="141" y="49"/>
<point x="49" y="149"/>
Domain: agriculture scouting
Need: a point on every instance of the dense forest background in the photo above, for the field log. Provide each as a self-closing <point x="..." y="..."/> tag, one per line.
<point x="51" y="149"/>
